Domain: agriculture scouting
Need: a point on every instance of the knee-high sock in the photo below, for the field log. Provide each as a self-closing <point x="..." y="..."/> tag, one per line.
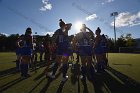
<point x="103" y="65"/>
<point x="24" y="69"/>
<point x="83" y="71"/>
<point x="91" y="69"/>
<point x="55" y="67"/>
<point x="17" y="65"/>
<point x="64" y="69"/>
<point x="99" y="66"/>
<point x="21" y="69"/>
<point x="26" y="66"/>
<point x="106" y="62"/>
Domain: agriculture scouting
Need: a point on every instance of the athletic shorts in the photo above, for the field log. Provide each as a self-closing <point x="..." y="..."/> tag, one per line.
<point x="63" y="49"/>
<point x="26" y="51"/>
<point x="105" y="49"/>
<point x="70" y="51"/>
<point x="98" y="50"/>
<point x="18" y="51"/>
<point x="85" y="50"/>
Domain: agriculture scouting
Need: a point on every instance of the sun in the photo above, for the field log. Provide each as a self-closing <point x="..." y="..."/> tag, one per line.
<point x="78" y="25"/>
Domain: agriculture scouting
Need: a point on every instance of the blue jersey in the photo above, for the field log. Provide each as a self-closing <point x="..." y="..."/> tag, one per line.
<point x="84" y="44"/>
<point x="27" y="45"/>
<point x="28" y="41"/>
<point x="61" y="38"/>
<point x="62" y="42"/>
<point x="104" y="44"/>
<point x="83" y="39"/>
<point x="98" y="47"/>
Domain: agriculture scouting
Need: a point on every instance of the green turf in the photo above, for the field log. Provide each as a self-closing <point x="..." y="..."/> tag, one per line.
<point x="12" y="83"/>
<point x="128" y="64"/>
<point x="7" y="60"/>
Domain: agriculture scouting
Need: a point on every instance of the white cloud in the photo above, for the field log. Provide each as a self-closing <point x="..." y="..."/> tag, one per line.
<point x="46" y="5"/>
<point x="107" y="1"/>
<point x="127" y="19"/>
<point x="45" y="33"/>
<point x="4" y="34"/>
<point x="91" y="17"/>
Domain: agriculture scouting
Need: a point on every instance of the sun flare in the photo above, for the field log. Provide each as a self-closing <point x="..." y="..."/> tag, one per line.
<point x="78" y="25"/>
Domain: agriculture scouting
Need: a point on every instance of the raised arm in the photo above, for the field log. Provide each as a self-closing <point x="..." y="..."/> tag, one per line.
<point x="91" y="34"/>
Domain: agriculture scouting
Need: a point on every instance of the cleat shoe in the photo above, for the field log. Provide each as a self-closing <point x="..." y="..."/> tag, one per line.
<point x="64" y="78"/>
<point x="50" y="75"/>
<point x="82" y="77"/>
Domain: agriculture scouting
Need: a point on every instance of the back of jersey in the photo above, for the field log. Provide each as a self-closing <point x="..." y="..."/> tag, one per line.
<point x="83" y="39"/>
<point x="27" y="41"/>
<point x="60" y="37"/>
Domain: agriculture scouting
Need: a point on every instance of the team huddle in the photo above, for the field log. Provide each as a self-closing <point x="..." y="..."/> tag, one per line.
<point x="91" y="51"/>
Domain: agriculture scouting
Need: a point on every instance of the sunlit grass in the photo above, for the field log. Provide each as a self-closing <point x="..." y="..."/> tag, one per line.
<point x="128" y="64"/>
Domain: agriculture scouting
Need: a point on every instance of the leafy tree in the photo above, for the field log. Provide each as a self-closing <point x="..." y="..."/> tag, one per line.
<point x="121" y="42"/>
<point x="130" y="42"/>
<point x="11" y="42"/>
<point x="2" y="42"/>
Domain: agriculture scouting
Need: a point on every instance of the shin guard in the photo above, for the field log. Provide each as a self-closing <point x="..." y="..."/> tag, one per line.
<point x="55" y="67"/>
<point x="64" y="69"/>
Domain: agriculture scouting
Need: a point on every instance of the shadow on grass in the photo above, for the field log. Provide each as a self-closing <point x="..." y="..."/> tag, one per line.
<point x="85" y="90"/>
<point x="75" y="75"/>
<point x="44" y="89"/>
<point x="111" y="84"/>
<point x="8" y="72"/>
<point x="97" y="82"/>
<point x="10" y="84"/>
<point x="37" y="65"/>
<point x="60" y="88"/>
<point x="14" y="71"/>
<point x="39" y="76"/>
<point x="132" y="86"/>
<point x="36" y="85"/>
<point x="105" y="81"/>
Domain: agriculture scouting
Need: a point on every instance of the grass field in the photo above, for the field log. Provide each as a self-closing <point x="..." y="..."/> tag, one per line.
<point x="124" y="75"/>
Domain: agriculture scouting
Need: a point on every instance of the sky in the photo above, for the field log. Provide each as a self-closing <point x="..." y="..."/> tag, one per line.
<point x="43" y="16"/>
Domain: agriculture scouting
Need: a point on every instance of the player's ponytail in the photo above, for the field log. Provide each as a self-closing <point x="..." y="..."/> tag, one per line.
<point x="61" y="23"/>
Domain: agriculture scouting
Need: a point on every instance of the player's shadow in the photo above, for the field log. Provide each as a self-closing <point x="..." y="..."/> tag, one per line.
<point x="75" y="78"/>
<point x="49" y="70"/>
<point x="37" y="65"/>
<point x="111" y="84"/>
<point x="131" y="85"/>
<point x="85" y="90"/>
<point x="75" y="72"/>
<point x="97" y="82"/>
<point x="8" y="72"/>
<point x="60" y="88"/>
<point x="106" y="81"/>
<point x="10" y="84"/>
<point x="45" y="88"/>
<point x="39" y="76"/>
<point x="36" y="85"/>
